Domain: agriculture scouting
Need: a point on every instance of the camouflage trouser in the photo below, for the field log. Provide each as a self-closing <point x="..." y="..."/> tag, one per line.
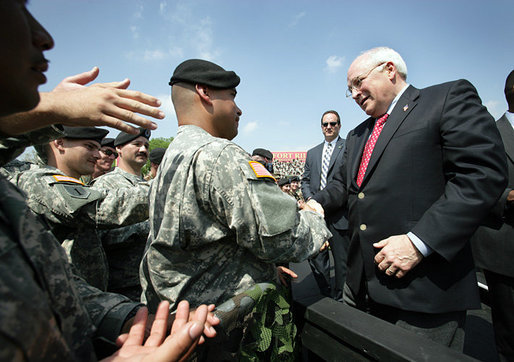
<point x="256" y="325"/>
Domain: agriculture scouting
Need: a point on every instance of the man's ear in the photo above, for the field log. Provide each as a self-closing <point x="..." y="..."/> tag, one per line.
<point x="204" y="92"/>
<point x="59" y="144"/>
<point x="118" y="149"/>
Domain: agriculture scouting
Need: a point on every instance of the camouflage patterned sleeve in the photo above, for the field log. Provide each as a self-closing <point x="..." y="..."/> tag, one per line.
<point x="12" y="147"/>
<point x="266" y="220"/>
<point x="108" y="311"/>
<point x="67" y="202"/>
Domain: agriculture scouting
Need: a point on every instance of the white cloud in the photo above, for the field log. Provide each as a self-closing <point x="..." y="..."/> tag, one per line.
<point x="152" y="55"/>
<point x="334" y="62"/>
<point x="155" y="54"/>
<point x="138" y="14"/>
<point x="191" y="32"/>
<point x="162" y="7"/>
<point x="250" y="127"/>
<point x="134" y="29"/>
<point x="297" y="18"/>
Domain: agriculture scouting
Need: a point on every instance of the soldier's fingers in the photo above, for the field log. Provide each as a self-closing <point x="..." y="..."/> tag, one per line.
<point x="139" y="97"/>
<point x="158" y="331"/>
<point x="117" y="123"/>
<point x="122" y="338"/>
<point x="137" y="331"/>
<point x="181" y="316"/>
<point x="119" y="85"/>
<point x="78" y="80"/>
<point x="179" y="345"/>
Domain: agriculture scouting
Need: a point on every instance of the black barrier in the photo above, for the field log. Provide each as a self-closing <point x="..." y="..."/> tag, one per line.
<point x="336" y="332"/>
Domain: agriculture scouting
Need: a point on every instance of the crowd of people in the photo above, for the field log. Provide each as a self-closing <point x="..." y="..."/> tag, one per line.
<point x="88" y="249"/>
<point x="288" y="168"/>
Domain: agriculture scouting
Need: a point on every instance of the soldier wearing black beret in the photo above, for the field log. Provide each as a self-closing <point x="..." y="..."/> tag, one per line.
<point x="107" y="156"/>
<point x="85" y="133"/>
<point x="263" y="156"/>
<point x="156" y="156"/>
<point x="198" y="71"/>
<point x="123" y="137"/>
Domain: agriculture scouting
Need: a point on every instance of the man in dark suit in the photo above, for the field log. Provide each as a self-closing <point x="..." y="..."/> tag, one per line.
<point x="419" y="176"/>
<point x="315" y="177"/>
<point x="493" y="249"/>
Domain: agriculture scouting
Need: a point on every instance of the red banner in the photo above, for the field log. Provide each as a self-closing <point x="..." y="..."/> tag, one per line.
<point x="289" y="156"/>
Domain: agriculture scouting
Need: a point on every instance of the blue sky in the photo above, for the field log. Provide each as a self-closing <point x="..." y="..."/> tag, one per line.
<point x="292" y="55"/>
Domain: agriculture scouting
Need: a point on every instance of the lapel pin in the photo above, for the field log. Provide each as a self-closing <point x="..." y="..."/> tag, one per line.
<point x="405" y="108"/>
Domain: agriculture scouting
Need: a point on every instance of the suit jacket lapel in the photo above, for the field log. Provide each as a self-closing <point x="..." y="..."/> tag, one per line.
<point x="403" y="107"/>
<point x="338" y="148"/>
<point x="507" y="134"/>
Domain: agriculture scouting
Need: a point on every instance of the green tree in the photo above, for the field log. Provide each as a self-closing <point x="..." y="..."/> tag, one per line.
<point x="158" y="142"/>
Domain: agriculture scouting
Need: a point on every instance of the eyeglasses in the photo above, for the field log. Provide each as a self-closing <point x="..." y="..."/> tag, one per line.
<point x="108" y="152"/>
<point x="333" y="124"/>
<point x="357" y="81"/>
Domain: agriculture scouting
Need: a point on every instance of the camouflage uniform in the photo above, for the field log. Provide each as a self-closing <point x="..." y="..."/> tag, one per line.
<point x="12" y="147"/>
<point x="216" y="228"/>
<point x="74" y="211"/>
<point x="124" y="246"/>
<point x="47" y="312"/>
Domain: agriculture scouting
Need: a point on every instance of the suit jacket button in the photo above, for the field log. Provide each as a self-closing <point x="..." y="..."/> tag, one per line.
<point x="363" y="227"/>
<point x="360" y="195"/>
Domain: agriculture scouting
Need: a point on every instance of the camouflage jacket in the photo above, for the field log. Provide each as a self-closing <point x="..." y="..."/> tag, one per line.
<point x="218" y="222"/>
<point x="12" y="147"/>
<point x="47" y="312"/>
<point x="123" y="246"/>
<point x="75" y="211"/>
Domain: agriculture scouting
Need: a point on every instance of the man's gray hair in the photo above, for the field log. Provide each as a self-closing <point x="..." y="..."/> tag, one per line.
<point x="385" y="54"/>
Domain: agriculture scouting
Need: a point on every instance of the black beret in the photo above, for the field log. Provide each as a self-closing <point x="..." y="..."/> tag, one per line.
<point x="85" y="133"/>
<point x="284" y="181"/>
<point x="198" y="71"/>
<point x="124" y="137"/>
<point x="262" y="152"/>
<point x="295" y="178"/>
<point x="509" y="83"/>
<point x="107" y="142"/>
<point x="156" y="155"/>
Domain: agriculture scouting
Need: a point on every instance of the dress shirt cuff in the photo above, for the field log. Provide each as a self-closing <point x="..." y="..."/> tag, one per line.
<point x="420" y="245"/>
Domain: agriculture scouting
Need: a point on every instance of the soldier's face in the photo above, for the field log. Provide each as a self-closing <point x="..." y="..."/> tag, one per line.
<point x="135" y="152"/>
<point x="22" y="41"/>
<point x="227" y="113"/>
<point x="107" y="157"/>
<point x="81" y="155"/>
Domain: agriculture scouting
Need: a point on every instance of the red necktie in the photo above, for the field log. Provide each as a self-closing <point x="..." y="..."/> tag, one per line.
<point x="368" y="149"/>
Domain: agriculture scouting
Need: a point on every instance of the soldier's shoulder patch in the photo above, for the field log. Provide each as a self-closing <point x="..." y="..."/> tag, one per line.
<point x="62" y="178"/>
<point x="260" y="170"/>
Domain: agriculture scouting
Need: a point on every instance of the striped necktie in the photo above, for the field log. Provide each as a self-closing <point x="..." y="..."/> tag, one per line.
<point x="368" y="148"/>
<point x="324" y="166"/>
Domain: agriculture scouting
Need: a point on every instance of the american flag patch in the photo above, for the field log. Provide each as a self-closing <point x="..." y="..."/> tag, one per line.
<point x="260" y="170"/>
<point x="61" y="178"/>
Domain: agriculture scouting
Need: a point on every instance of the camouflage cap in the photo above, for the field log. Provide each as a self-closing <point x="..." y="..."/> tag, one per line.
<point x="198" y="71"/>
<point x="124" y="137"/>
<point x="85" y="133"/>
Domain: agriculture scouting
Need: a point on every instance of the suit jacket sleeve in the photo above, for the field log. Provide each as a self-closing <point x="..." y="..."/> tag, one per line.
<point x="306" y="177"/>
<point x="474" y="166"/>
<point x="334" y="196"/>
